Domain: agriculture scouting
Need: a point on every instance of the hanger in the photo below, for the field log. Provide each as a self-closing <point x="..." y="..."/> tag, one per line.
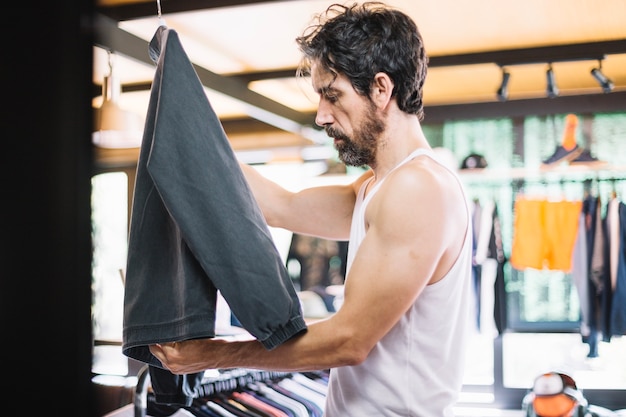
<point x="584" y="190"/>
<point x="159" y="14"/>
<point x="613" y="194"/>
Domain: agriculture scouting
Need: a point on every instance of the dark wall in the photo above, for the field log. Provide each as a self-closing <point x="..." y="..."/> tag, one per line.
<point x="45" y="294"/>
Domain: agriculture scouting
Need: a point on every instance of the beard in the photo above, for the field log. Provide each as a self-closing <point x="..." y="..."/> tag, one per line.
<point x="362" y="151"/>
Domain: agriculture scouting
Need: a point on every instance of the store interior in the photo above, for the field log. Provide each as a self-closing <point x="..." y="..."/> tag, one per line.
<point x="268" y="116"/>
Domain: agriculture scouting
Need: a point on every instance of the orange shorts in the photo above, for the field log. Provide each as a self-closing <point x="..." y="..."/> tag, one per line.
<point x="544" y="234"/>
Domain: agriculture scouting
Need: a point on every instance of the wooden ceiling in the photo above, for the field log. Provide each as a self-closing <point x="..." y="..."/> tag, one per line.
<point x="245" y="55"/>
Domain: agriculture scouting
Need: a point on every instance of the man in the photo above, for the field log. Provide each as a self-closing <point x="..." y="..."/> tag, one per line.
<point x="396" y="345"/>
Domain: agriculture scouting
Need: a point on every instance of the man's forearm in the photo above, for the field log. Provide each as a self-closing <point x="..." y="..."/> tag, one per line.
<point x="318" y="348"/>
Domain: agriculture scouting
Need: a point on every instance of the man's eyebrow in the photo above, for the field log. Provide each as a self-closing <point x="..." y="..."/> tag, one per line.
<point x="325" y="89"/>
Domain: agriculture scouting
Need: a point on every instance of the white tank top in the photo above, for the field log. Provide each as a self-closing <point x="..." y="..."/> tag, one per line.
<point x="417" y="368"/>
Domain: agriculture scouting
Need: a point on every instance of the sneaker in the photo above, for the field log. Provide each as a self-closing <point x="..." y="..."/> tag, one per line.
<point x="563" y="155"/>
<point x="585" y="158"/>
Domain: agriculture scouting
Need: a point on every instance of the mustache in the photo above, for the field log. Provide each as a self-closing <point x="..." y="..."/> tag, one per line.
<point x="334" y="133"/>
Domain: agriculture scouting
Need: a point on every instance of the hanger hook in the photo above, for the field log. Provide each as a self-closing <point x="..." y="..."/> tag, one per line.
<point x="110" y="61"/>
<point x="159" y="14"/>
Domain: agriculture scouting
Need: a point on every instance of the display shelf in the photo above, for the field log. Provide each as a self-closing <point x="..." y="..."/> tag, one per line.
<point x="567" y="172"/>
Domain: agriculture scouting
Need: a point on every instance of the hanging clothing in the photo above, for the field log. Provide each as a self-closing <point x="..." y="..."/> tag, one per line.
<point x="488" y="259"/>
<point x="590" y="287"/>
<point x="248" y="400"/>
<point x="195" y="229"/>
<point x="496" y="251"/>
<point x="321" y="261"/>
<point x="544" y="233"/>
<point x="299" y="407"/>
<point x="580" y="270"/>
<point x="477" y="212"/>
<point x="425" y="348"/>
<point x="613" y="229"/>
<point x="274" y="404"/>
<point x="616" y="275"/>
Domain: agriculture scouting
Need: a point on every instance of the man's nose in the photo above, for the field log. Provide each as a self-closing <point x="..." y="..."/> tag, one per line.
<point x="323" y="116"/>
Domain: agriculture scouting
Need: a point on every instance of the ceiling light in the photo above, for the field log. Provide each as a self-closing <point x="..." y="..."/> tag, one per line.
<point x="552" y="90"/>
<point x="605" y="83"/>
<point x="503" y="91"/>
<point x="115" y="127"/>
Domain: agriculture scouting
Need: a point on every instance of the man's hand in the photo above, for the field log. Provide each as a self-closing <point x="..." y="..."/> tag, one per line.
<point x="188" y="356"/>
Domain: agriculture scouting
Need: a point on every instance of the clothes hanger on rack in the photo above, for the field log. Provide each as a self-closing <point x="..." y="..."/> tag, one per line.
<point x="160" y="14"/>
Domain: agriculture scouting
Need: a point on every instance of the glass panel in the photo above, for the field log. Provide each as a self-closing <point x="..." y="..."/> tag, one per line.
<point x="542" y="300"/>
<point x="607" y="137"/>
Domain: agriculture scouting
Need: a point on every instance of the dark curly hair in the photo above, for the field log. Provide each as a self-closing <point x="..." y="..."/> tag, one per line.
<point x="359" y="41"/>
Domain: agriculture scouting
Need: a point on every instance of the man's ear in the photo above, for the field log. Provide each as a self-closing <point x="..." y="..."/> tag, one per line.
<point x="382" y="90"/>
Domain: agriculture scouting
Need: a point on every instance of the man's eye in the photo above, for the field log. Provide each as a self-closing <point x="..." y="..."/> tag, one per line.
<point x="332" y="98"/>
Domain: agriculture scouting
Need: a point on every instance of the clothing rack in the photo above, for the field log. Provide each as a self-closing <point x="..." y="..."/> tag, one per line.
<point x="587" y="181"/>
<point x="141" y="392"/>
<point x="236" y="378"/>
<point x="221" y="382"/>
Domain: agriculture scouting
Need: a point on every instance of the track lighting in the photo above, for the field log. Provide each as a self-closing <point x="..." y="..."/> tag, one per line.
<point x="552" y="90"/>
<point x="503" y="91"/>
<point x="605" y="83"/>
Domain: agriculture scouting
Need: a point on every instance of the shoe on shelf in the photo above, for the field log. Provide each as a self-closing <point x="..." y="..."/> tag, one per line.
<point x="563" y="155"/>
<point x="585" y="158"/>
<point x="568" y="141"/>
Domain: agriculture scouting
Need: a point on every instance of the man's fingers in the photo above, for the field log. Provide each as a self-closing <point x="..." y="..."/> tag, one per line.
<point x="157" y="350"/>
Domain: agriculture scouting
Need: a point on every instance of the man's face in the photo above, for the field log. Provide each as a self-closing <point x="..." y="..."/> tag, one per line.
<point x="348" y="117"/>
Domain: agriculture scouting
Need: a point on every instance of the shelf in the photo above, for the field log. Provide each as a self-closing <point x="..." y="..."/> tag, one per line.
<point x="547" y="174"/>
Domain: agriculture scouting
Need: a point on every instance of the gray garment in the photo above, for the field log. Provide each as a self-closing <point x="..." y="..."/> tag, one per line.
<point x="195" y="226"/>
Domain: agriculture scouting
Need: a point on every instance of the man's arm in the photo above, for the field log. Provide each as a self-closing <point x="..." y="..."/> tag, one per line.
<point x="324" y="211"/>
<point x="402" y="252"/>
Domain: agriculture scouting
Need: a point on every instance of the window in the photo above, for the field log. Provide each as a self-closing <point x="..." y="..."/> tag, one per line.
<point x="109" y="201"/>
